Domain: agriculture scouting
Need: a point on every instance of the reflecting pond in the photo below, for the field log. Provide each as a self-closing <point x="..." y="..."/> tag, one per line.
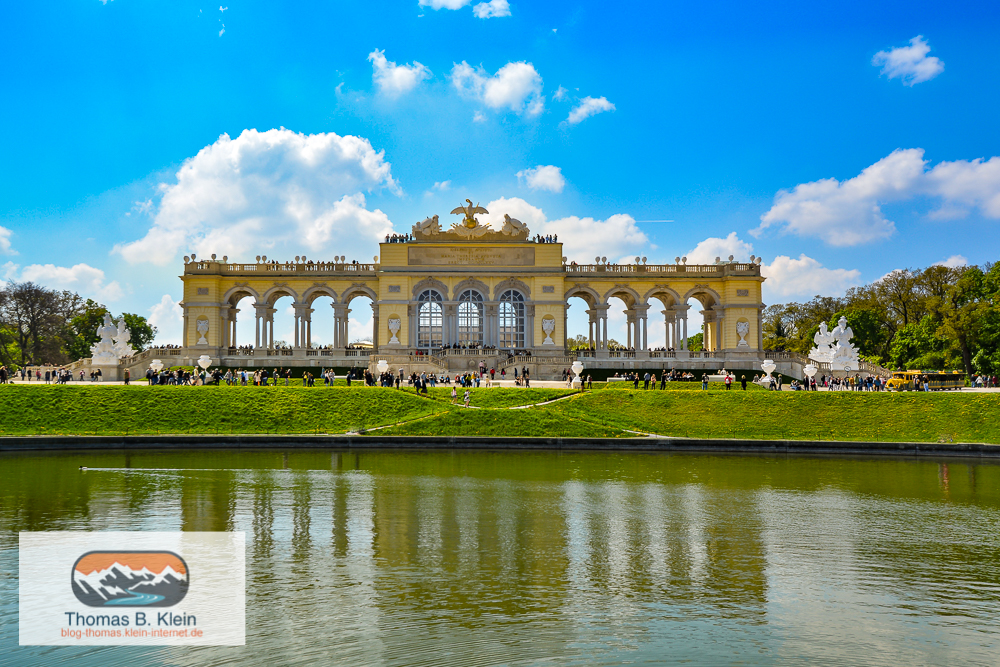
<point x="487" y="558"/>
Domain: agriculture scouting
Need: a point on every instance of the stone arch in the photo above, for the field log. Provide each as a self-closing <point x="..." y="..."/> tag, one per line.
<point x="511" y="283"/>
<point x="585" y="292"/>
<point x="236" y="294"/>
<point x="317" y="291"/>
<point x="276" y="292"/>
<point x="699" y="292"/>
<point x="472" y="283"/>
<point x="625" y="293"/>
<point x="661" y="291"/>
<point x="356" y="290"/>
<point x="430" y="283"/>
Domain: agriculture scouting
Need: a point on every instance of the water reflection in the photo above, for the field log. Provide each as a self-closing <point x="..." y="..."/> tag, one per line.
<point x="466" y="558"/>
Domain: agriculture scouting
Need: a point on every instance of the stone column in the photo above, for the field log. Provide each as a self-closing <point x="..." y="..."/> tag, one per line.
<point x="411" y="324"/>
<point x="339" y="319"/>
<point x="760" y="330"/>
<point x="684" y="324"/>
<point x="375" y="328"/>
<point x="270" y="327"/>
<point x="529" y="325"/>
<point x="260" y="315"/>
<point x="720" y="324"/>
<point x="449" y="323"/>
<point x="642" y="331"/>
<point x="601" y="325"/>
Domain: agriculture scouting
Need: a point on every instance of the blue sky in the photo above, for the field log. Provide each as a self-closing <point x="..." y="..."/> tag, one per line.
<point x="584" y="119"/>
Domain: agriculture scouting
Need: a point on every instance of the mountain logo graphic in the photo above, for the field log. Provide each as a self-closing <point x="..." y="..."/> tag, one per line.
<point x="130" y="579"/>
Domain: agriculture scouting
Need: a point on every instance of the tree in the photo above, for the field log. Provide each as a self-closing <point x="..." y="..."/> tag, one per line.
<point x="696" y="343"/>
<point x="869" y="334"/>
<point x="33" y="320"/>
<point x="83" y="330"/>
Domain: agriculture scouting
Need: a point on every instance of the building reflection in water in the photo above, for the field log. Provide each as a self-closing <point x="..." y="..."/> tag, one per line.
<point x="444" y="558"/>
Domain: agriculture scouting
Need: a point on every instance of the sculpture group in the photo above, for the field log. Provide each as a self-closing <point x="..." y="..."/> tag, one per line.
<point x="113" y="344"/>
<point x="470" y="227"/>
<point x="834" y="347"/>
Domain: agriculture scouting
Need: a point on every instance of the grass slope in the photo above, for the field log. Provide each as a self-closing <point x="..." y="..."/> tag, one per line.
<point x="859" y="416"/>
<point x="52" y="409"/>
<point x="488" y="423"/>
<point x="681" y="386"/>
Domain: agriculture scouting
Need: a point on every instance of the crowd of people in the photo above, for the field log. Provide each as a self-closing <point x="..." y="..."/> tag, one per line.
<point x="548" y="238"/>
<point x="398" y="238"/>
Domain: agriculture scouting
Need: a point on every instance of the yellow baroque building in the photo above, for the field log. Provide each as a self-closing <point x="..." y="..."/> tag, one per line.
<point x="451" y="300"/>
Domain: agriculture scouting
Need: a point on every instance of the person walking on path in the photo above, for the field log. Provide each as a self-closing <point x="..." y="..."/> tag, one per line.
<point x="126" y="377"/>
<point x="454" y="394"/>
<point x="467" y="397"/>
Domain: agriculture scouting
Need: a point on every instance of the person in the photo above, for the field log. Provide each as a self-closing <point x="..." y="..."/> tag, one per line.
<point x="127" y="375"/>
<point x="467" y="397"/>
<point x="663" y="381"/>
<point x="635" y="380"/>
<point x="47" y="376"/>
<point x="590" y="382"/>
<point x="729" y="382"/>
<point x="454" y="394"/>
<point x="743" y="381"/>
<point x="645" y="380"/>
<point x="704" y="381"/>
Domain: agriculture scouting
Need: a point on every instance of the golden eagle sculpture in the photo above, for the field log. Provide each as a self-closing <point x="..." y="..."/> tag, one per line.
<point x="470" y="212"/>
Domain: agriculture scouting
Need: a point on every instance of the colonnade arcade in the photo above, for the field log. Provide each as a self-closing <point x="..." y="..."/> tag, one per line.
<point x="264" y="310"/>
<point x="672" y="306"/>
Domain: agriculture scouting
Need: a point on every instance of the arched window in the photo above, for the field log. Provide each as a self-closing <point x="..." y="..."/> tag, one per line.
<point x="470" y="318"/>
<point x="511" y="320"/>
<point x="429" y="320"/>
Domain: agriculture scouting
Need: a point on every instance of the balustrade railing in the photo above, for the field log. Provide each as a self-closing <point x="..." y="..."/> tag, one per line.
<point x="281" y="267"/>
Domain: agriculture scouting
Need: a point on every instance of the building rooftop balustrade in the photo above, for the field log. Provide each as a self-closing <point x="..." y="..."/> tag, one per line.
<point x="728" y="269"/>
<point x="280" y="269"/>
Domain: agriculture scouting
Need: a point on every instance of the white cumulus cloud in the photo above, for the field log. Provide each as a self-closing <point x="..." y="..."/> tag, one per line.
<point x="953" y="262"/>
<point x="804" y="277"/>
<point x="395" y="80"/>
<point x="168" y="318"/>
<point x="263" y="190"/>
<point x="847" y="213"/>
<point x="910" y="63"/>
<point x="543" y="177"/>
<point x="493" y="8"/>
<point x="5" y="247"/>
<point x="86" y="280"/>
<point x="516" y="86"/>
<point x="589" y="106"/>
<point x="582" y="238"/>
<point x="706" y="251"/>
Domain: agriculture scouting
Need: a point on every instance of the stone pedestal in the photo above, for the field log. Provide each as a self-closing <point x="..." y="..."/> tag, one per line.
<point x="109" y="373"/>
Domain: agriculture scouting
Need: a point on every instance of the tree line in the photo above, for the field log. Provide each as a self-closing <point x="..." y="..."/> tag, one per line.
<point x="937" y="318"/>
<point x="43" y="326"/>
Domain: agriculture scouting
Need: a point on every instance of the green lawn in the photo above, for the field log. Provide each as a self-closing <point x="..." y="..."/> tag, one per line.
<point x="612" y="412"/>
<point x="53" y="409"/>
<point x="680" y="386"/>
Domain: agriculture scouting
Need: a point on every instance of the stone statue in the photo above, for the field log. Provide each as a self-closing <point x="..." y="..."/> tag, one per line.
<point x="845" y="355"/>
<point x="428" y="226"/>
<point x="202" y="327"/>
<point x="394" y="324"/>
<point x="113" y="344"/>
<point x="548" y="326"/>
<point x="470" y="211"/>
<point x="742" y="329"/>
<point x="834" y="347"/>
<point x="122" y="348"/>
<point x="512" y="227"/>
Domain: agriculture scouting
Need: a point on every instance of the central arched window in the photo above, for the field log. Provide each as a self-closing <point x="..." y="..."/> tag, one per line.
<point x="511" y="320"/>
<point x="429" y="320"/>
<point x="470" y="318"/>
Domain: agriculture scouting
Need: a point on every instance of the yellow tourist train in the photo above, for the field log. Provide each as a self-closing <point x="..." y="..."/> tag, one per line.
<point x="904" y="380"/>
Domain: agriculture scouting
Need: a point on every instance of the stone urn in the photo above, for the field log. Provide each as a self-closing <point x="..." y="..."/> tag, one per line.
<point x="577" y="369"/>
<point x="156" y="365"/>
<point x="382" y="365"/>
<point x="204" y="361"/>
<point x="768" y="367"/>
